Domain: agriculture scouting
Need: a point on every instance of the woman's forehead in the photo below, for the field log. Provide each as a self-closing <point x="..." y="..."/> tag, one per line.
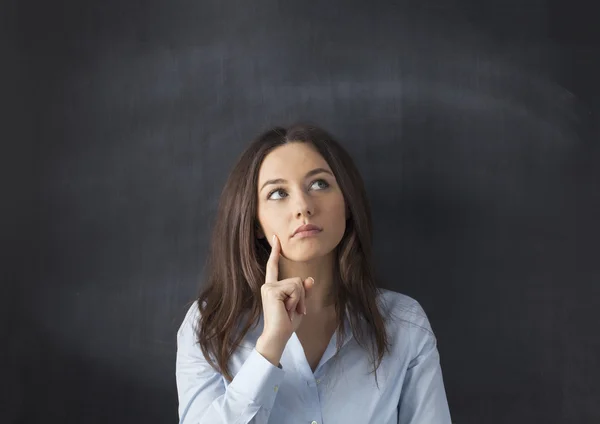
<point x="292" y="160"/>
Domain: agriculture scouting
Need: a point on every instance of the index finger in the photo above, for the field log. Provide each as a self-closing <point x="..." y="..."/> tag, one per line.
<point x="272" y="269"/>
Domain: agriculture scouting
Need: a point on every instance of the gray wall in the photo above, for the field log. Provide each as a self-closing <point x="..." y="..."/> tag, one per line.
<point x="474" y="124"/>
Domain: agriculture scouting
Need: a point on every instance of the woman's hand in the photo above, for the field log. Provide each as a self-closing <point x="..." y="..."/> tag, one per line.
<point x="283" y="306"/>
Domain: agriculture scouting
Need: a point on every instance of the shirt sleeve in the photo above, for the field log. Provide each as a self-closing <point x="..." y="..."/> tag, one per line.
<point x="423" y="398"/>
<point x="203" y="397"/>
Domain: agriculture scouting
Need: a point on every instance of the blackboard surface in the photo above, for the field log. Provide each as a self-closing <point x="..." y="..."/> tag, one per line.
<point x="474" y="124"/>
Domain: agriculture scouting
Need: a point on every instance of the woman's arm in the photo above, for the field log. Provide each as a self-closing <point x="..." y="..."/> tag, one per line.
<point x="203" y="397"/>
<point x="423" y="397"/>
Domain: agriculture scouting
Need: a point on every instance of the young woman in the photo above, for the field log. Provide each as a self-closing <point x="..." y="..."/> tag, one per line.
<point x="290" y="327"/>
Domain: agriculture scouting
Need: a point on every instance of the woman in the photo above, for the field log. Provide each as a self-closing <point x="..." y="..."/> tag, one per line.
<point x="292" y="327"/>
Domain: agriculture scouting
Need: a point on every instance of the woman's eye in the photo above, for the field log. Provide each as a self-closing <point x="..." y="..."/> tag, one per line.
<point x="280" y="190"/>
<point x="325" y="185"/>
<point x="273" y="192"/>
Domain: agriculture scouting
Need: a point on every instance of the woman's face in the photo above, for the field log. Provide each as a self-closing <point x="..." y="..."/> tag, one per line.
<point x="306" y="193"/>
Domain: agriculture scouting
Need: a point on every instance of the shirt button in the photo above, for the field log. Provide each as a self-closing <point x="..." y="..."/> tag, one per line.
<point x="318" y="381"/>
<point x="276" y="388"/>
<point x="314" y="422"/>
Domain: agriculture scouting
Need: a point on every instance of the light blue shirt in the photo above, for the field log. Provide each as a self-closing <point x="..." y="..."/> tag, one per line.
<point x="341" y="390"/>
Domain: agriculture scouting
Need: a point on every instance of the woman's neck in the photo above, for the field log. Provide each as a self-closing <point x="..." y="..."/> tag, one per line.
<point x="322" y="270"/>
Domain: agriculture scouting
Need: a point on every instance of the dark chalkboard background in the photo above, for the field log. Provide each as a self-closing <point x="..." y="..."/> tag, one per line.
<point x="474" y="123"/>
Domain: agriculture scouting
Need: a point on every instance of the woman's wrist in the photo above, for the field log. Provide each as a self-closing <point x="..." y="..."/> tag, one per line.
<point x="270" y="349"/>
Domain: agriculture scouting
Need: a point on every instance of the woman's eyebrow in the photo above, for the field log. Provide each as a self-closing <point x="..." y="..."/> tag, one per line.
<point x="308" y="174"/>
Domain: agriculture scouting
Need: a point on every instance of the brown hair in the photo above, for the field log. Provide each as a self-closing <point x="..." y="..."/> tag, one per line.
<point x="235" y="269"/>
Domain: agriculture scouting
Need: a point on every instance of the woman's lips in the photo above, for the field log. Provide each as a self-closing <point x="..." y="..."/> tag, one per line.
<point x="309" y="233"/>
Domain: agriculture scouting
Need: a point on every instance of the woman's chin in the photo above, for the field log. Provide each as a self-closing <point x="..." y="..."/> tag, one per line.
<point x="306" y="254"/>
<point x="303" y="256"/>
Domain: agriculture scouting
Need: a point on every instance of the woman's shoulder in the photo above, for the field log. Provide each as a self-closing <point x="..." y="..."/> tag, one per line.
<point x="402" y="310"/>
<point x="190" y="320"/>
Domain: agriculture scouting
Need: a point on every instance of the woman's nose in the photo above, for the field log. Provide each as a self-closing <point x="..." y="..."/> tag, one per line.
<point x="304" y="206"/>
<point x="306" y="212"/>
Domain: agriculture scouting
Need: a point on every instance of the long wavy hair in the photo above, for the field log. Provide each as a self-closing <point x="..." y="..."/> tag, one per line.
<point x="230" y="300"/>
